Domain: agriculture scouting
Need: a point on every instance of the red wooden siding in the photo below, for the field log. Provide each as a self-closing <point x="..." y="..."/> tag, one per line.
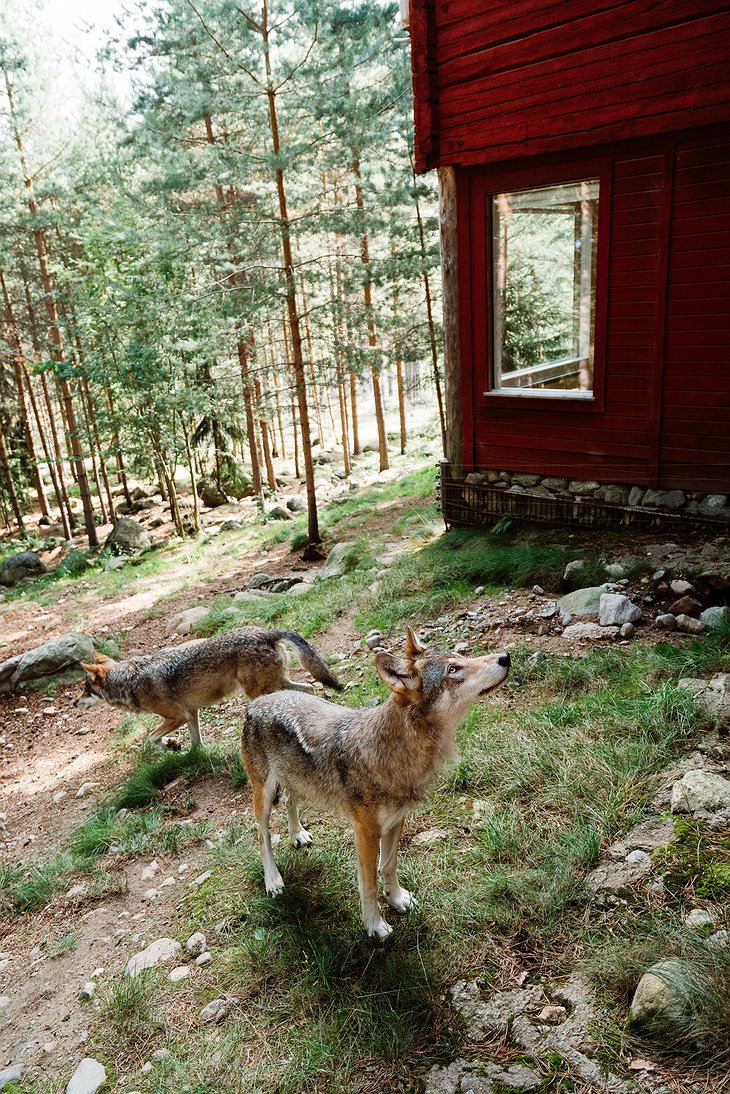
<point x="661" y="415"/>
<point x="525" y="77"/>
<point x="695" y="426"/>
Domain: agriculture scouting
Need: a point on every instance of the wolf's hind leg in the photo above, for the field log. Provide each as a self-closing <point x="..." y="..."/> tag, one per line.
<point x="291" y="685"/>
<point x="399" y="898"/>
<point x="263" y="800"/>
<point x="167" y="725"/>
<point x="298" y="834"/>
<point x="194" y="729"/>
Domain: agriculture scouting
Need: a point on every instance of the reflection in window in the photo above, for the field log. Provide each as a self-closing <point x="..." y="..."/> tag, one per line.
<point x="544" y="277"/>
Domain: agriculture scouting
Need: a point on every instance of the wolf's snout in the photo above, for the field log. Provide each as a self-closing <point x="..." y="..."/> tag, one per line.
<point x="504" y="660"/>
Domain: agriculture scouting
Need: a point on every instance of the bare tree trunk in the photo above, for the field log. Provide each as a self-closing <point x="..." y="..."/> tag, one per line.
<point x="94" y="467"/>
<point x="91" y="418"/>
<point x="291" y="292"/>
<point x="250" y="427"/>
<point x="13" y="339"/>
<point x="312" y="375"/>
<point x="191" y="470"/>
<point x="121" y="469"/>
<point x="429" y="316"/>
<point x="57" y="351"/>
<point x="49" y="457"/>
<point x="343" y="421"/>
<point x="399" y="375"/>
<point x="368" y="298"/>
<point x="10" y="486"/>
<point x="70" y="518"/>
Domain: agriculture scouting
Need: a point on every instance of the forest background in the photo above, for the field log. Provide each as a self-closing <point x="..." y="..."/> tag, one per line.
<point x="214" y="254"/>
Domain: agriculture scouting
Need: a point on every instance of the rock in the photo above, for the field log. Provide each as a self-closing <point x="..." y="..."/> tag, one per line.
<point x="647" y="836"/>
<point x="719" y="940"/>
<point x="55" y="656"/>
<point x="259" y="580"/>
<point x="215" y="1011"/>
<point x="573" y="573"/>
<point x="76" y="891"/>
<point x="157" y="953"/>
<point x="7" y="671"/>
<point x="201" y="878"/>
<point x="700" y="790"/>
<point x="660" y="999"/>
<point x="664" y="499"/>
<point x="555" y="484"/>
<point x="593" y="631"/>
<point x="680" y="587"/>
<point x="713" y="696"/>
<point x="583" y="486"/>
<point x="583" y="601"/>
<point x="116" y="563"/>
<point x="619" y="877"/>
<point x="526" y="480"/>
<point x="429" y="837"/>
<point x="552" y="1014"/>
<point x="210" y="494"/>
<point x="628" y="630"/>
<point x="340" y="561"/>
<point x="699" y="918"/>
<point x="195" y="945"/>
<point x="88" y="1077"/>
<point x="685" y="605"/>
<point x="87" y="992"/>
<point x="21" y="567"/>
<point x="299" y="589"/>
<point x="127" y="537"/>
<point x="373" y="640"/>
<point x="636" y="495"/>
<point x="688" y="625"/>
<point x="203" y="959"/>
<point x="150" y="895"/>
<point x="616" y="609"/>
<point x="613" y="495"/>
<point x="86" y="788"/>
<point x="481" y="1077"/>
<point x="10" y="1075"/>
<point x="712" y="505"/>
<point x="184" y="622"/>
<point x="493" y="1017"/>
<point x="296" y="504"/>
<point x="716" y="616"/>
<point x="666" y="622"/>
<point x="279" y="512"/>
<point x="231" y="526"/>
<point x="180" y="973"/>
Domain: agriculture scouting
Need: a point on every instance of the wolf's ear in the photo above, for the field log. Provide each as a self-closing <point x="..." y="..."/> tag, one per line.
<point x="397" y="674"/>
<point x="414" y="646"/>
<point x="98" y="671"/>
<point x="101" y="658"/>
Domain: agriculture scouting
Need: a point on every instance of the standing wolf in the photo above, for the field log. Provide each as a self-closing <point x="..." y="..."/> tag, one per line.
<point x="372" y="765"/>
<point x="177" y="682"/>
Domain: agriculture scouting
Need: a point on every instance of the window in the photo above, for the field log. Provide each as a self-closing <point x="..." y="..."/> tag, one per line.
<point x="544" y="289"/>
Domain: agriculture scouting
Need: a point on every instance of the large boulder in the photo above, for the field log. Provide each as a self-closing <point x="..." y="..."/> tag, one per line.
<point x="341" y="560"/>
<point x="19" y="567"/>
<point x="127" y="537"/>
<point x="54" y="656"/>
<point x="210" y="493"/>
<point x="235" y="484"/>
<point x="615" y="609"/>
<point x="583" y="601"/>
<point x="660" y="1004"/>
<point x="712" y="696"/>
<point x="700" y="791"/>
<point x="159" y="952"/>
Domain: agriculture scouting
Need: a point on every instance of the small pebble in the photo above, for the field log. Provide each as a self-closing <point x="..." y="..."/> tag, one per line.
<point x="204" y="959"/>
<point x="180" y="973"/>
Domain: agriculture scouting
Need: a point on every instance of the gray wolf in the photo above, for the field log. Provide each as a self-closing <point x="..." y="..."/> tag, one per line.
<point x="373" y="765"/>
<point x="177" y="682"/>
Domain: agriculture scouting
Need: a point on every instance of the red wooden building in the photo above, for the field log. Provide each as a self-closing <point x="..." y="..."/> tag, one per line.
<point x="583" y="151"/>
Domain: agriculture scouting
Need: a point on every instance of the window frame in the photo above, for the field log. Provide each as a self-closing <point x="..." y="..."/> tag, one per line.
<point x="487" y="183"/>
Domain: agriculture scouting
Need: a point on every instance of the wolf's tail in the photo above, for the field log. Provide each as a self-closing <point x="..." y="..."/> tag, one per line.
<point x="309" y="657"/>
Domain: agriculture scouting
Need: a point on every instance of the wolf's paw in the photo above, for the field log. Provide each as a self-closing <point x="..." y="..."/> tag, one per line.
<point x="301" y="838"/>
<point x="275" y="885"/>
<point x="400" y="900"/>
<point x="380" y="930"/>
<point x="170" y="743"/>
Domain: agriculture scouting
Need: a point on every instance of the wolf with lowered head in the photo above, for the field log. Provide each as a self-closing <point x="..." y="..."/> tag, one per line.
<point x="372" y="765"/>
<point x="178" y="681"/>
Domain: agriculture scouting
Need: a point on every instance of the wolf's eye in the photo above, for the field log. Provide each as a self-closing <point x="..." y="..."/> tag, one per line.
<point x="453" y="669"/>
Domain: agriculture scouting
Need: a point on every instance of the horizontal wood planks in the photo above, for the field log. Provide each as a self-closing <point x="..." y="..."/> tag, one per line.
<point x="499" y="81"/>
<point x="662" y="411"/>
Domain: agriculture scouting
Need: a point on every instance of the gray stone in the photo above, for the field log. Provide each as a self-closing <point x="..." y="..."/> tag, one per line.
<point x="116" y="563"/>
<point x="615" y="609"/>
<point x="619" y="877"/>
<point x="259" y="580"/>
<point x="628" y="630"/>
<point x="583" y="601"/>
<point x="481" y="1077"/>
<point x="720" y="940"/>
<point x="700" y="790"/>
<point x="666" y="621"/>
<point x="430" y="837"/>
<point x="19" y="567"/>
<point x="183" y="622"/>
<point x="573" y="573"/>
<point x="195" y="945"/>
<point x="715" y="616"/>
<point x="157" y="953"/>
<point x="204" y="959"/>
<point x="279" y="512"/>
<point x="373" y="640"/>
<point x="660" y="999"/>
<point x="636" y="495"/>
<point x="526" y="480"/>
<point x="712" y="696"/>
<point x="592" y="631"/>
<point x="340" y="561"/>
<point x="494" y="1016"/>
<point x="7" y="670"/>
<point x="296" y="504"/>
<point x="475" y="478"/>
<point x="699" y="918"/>
<point x="298" y="589"/>
<point x="54" y="656"/>
<point x="555" y="484"/>
<point x="182" y="972"/>
<point x="88" y="1077"/>
<point x="10" y="1075"/>
<point x="231" y="526"/>
<point x="583" y="486"/>
<point x="127" y="537"/>
<point x="681" y="587"/>
<point x="210" y="494"/>
<point x="712" y="505"/>
<point x="688" y="625"/>
<point x="215" y="1011"/>
<point x="685" y="605"/>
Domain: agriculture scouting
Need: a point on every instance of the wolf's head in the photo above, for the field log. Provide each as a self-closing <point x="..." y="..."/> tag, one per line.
<point x="438" y="683"/>
<point x="95" y="684"/>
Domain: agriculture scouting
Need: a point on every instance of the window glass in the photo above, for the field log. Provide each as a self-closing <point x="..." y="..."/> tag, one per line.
<point x="544" y="279"/>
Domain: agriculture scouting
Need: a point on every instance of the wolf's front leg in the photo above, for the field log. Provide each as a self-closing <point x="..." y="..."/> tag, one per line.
<point x="298" y="834"/>
<point x="367" y="838"/>
<point x="398" y="897"/>
<point x="196" y="739"/>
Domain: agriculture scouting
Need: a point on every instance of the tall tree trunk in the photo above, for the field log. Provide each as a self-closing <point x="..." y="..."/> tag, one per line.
<point x="291" y="292"/>
<point x="93" y="425"/>
<point x="52" y="470"/>
<point x="399" y="373"/>
<point x="429" y="314"/>
<point x="343" y="421"/>
<point x="13" y="339"/>
<point x="264" y="427"/>
<point x="92" y="451"/>
<point x="119" y="457"/>
<point x="368" y="298"/>
<point x="57" y="347"/>
<point x="48" y="402"/>
<point x="312" y="375"/>
<point x="277" y="400"/>
<point x="191" y="470"/>
<point x="250" y="426"/>
<point x="10" y="485"/>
